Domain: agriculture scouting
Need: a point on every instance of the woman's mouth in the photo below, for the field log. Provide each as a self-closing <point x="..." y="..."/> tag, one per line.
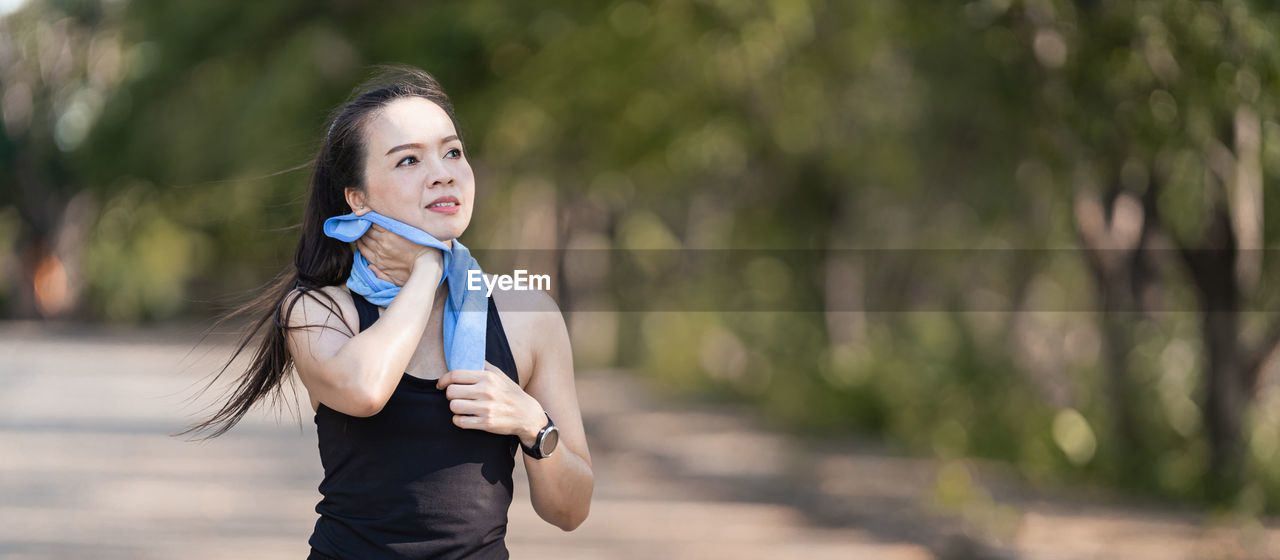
<point x="444" y="205"/>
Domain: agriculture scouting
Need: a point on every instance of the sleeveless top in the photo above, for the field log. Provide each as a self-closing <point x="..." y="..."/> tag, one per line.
<point x="407" y="482"/>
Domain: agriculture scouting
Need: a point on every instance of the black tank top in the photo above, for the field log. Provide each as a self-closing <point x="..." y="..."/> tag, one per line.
<point x="407" y="482"/>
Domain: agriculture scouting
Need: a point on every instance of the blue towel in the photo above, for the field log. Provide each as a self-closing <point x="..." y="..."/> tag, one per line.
<point x="466" y="313"/>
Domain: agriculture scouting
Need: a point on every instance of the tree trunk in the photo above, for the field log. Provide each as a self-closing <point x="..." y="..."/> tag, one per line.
<point x="1213" y="270"/>
<point x="1111" y="246"/>
<point x="1225" y="401"/>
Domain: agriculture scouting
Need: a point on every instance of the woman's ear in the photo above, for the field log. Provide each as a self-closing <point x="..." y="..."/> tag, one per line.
<point x="355" y="198"/>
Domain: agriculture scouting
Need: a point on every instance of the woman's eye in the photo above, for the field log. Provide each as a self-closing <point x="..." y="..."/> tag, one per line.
<point x="406" y="158"/>
<point x="456" y="150"/>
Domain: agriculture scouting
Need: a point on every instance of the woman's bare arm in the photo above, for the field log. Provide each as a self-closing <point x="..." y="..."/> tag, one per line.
<point x="356" y="375"/>
<point x="560" y="486"/>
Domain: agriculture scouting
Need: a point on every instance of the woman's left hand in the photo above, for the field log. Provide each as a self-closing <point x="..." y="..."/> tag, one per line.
<point x="491" y="401"/>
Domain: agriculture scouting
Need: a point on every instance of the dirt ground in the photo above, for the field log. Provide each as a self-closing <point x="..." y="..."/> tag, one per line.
<point x="87" y="470"/>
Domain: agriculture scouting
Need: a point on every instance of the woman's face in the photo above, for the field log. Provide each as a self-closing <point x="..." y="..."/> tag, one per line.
<point x="415" y="171"/>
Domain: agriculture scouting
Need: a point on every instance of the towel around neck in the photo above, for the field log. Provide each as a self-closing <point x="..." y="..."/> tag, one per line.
<point x="466" y="311"/>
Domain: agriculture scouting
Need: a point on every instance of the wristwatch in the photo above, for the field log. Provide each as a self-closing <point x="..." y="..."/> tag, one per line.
<point x="546" y="441"/>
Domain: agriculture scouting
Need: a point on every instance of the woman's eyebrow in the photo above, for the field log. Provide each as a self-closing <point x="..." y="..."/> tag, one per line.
<point x="418" y="145"/>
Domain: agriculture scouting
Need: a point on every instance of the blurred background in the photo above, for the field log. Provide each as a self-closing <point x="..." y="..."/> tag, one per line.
<point x="1030" y="315"/>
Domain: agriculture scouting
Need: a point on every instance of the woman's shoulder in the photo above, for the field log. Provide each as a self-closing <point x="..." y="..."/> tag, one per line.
<point x="535" y="307"/>
<point x="318" y="308"/>
<point x="531" y="318"/>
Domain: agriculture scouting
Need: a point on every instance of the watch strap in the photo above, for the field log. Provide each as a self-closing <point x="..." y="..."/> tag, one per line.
<point x="536" y="450"/>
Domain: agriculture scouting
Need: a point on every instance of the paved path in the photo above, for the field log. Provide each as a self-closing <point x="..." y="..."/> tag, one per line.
<point x="87" y="470"/>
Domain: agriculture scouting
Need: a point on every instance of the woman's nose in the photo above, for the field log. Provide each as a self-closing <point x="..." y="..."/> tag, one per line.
<point x="440" y="175"/>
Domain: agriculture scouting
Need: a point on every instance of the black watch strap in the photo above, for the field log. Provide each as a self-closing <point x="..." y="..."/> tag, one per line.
<point x="536" y="450"/>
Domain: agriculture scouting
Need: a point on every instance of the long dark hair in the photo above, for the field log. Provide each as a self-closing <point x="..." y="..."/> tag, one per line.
<point x="319" y="260"/>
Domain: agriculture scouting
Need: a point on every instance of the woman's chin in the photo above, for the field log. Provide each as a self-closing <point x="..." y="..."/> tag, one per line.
<point x="446" y="226"/>
<point x="439" y="229"/>
<point x="443" y="232"/>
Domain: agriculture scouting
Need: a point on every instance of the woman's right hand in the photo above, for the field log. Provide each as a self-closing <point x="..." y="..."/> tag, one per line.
<point x="394" y="258"/>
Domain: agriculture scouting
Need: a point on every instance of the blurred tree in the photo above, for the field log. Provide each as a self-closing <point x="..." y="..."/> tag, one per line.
<point x="1156" y="110"/>
<point x="58" y="60"/>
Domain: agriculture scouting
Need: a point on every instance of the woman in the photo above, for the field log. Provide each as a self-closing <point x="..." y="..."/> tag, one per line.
<point x="417" y="458"/>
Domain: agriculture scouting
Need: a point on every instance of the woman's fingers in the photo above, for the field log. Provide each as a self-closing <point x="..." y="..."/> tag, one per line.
<point x="382" y="238"/>
<point x="486" y="400"/>
<point x="371" y="244"/>
<point x="466" y="376"/>
<point x="394" y="253"/>
<point x="375" y="231"/>
<point x="369" y="249"/>
<point x="468" y="406"/>
<point x="465" y="391"/>
<point x="376" y="272"/>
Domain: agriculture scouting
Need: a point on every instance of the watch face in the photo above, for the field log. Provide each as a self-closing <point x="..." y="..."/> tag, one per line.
<point x="549" y="441"/>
